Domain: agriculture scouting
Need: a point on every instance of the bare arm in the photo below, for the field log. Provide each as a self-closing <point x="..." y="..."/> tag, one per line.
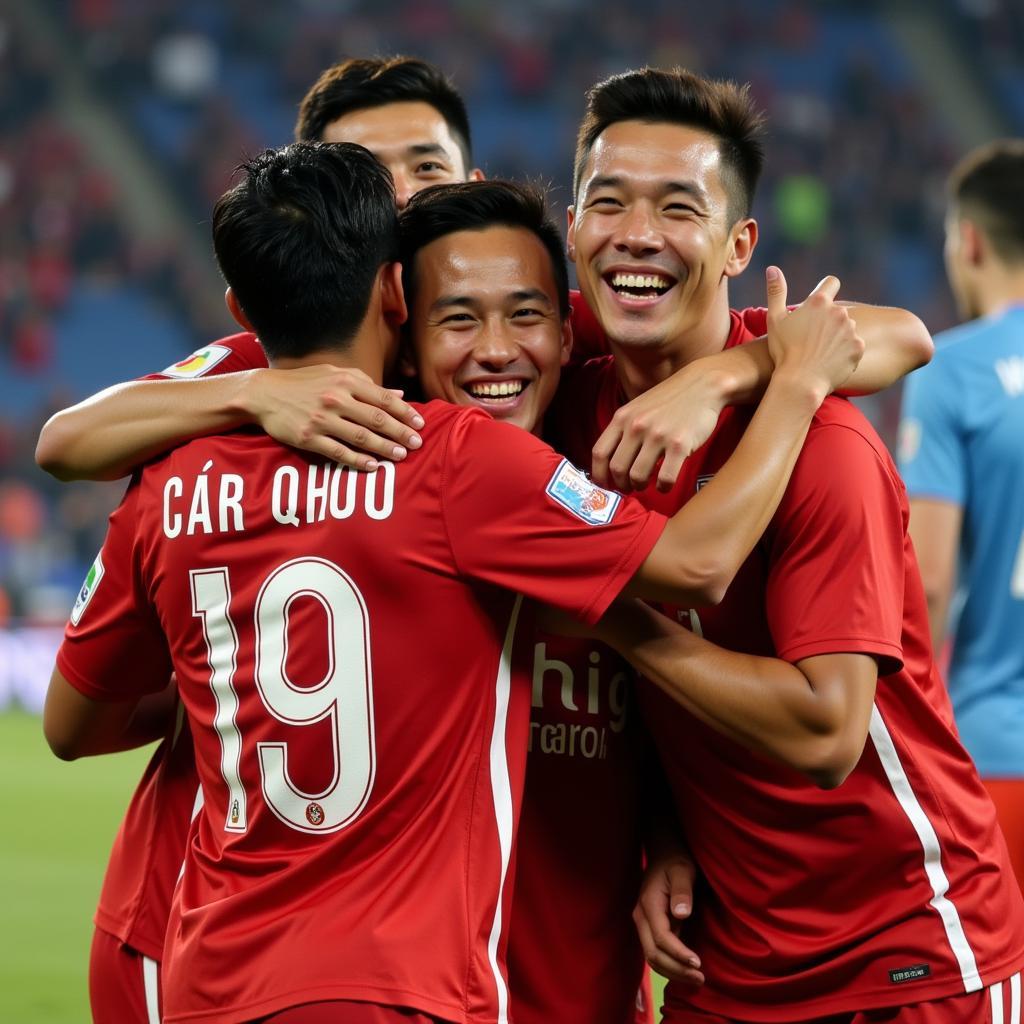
<point x="78" y="726"/>
<point x="709" y="538"/>
<point x="812" y="716"/>
<point x="935" y="531"/>
<point x="674" y="418"/>
<point x="324" y="409"/>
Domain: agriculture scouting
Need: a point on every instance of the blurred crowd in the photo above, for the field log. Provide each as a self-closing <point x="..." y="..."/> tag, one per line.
<point x="856" y="161"/>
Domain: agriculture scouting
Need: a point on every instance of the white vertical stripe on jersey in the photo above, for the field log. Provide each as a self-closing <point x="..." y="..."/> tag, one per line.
<point x="1015" y="999"/>
<point x="904" y="792"/>
<point x="197" y="806"/>
<point x="501" y="790"/>
<point x="996" y="996"/>
<point x="151" y="988"/>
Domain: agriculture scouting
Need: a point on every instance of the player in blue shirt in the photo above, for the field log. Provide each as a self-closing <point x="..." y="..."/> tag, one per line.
<point x="962" y="457"/>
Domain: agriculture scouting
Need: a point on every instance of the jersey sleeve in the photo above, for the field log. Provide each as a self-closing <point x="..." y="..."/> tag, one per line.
<point x="520" y="516"/>
<point x="836" y="553"/>
<point x="114" y="648"/>
<point x="227" y="355"/>
<point x="932" y="452"/>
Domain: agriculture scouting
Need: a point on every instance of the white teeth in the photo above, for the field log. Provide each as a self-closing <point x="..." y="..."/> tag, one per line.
<point x="502" y="389"/>
<point x="639" y="281"/>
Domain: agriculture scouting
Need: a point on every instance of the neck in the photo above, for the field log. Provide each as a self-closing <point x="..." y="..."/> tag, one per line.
<point x="365" y="352"/>
<point x="640" y="368"/>
<point x="999" y="287"/>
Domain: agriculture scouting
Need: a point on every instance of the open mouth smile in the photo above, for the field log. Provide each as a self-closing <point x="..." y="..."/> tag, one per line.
<point x="638" y="288"/>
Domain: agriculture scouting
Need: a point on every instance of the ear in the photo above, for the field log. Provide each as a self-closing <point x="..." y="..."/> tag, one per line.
<point x="566" y="340"/>
<point x="235" y="309"/>
<point x="973" y="244"/>
<point x="475" y="175"/>
<point x="744" y="240"/>
<point x="570" y="233"/>
<point x="392" y="297"/>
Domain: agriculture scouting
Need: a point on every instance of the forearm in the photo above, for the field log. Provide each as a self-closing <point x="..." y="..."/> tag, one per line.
<point x="764" y="704"/>
<point x="895" y="343"/>
<point x="77" y="726"/>
<point x="710" y="537"/>
<point x="108" y="435"/>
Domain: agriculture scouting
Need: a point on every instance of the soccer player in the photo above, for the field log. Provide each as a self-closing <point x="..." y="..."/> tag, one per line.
<point x="963" y="461"/>
<point x="853" y="867"/>
<point x="358" y="794"/>
<point x="411" y="117"/>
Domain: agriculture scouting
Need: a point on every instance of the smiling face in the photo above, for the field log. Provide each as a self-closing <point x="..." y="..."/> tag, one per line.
<point x="411" y="139"/>
<point x="485" y="323"/>
<point x="652" y="236"/>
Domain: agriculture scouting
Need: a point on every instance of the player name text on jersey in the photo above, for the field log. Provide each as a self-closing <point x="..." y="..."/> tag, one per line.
<point x="213" y="502"/>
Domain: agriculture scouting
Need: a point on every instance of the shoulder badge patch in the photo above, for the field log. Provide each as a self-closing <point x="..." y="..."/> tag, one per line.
<point x="198" y="363"/>
<point x="573" y="489"/>
<point x="92" y="581"/>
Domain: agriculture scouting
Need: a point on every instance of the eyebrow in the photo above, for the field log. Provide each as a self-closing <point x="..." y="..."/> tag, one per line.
<point x="426" y="149"/>
<point x="666" y="188"/>
<point x="523" y="295"/>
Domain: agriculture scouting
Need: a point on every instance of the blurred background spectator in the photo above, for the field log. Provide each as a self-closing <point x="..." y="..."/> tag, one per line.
<point x="121" y="121"/>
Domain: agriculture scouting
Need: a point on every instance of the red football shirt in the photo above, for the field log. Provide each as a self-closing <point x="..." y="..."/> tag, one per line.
<point x="895" y="887"/>
<point x="359" y="786"/>
<point x="574" y="956"/>
<point x="150" y="845"/>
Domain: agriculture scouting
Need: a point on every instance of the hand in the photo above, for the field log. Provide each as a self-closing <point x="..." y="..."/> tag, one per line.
<point x="665" y="901"/>
<point x="669" y="422"/>
<point x="334" y="411"/>
<point x="818" y="340"/>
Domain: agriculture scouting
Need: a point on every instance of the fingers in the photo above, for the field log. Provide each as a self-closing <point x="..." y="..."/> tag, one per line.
<point x="342" y="454"/>
<point x="683" y="968"/>
<point x="602" y="452"/>
<point x="681" y="875"/>
<point x="775" y="284"/>
<point x="390" y="401"/>
<point x="826" y="288"/>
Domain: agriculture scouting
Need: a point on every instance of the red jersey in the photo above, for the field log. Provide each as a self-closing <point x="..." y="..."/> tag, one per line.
<point x="574" y="956"/>
<point x="360" y="786"/>
<point x="146" y="857"/>
<point x="895" y="887"/>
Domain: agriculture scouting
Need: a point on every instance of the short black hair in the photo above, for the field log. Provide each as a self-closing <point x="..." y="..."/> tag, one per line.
<point x="987" y="187"/>
<point x="474" y="206"/>
<point x="677" y="96"/>
<point x="300" y="240"/>
<point x="364" y="82"/>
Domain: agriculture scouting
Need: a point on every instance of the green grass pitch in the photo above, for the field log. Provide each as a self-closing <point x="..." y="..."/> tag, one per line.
<point x="57" y="822"/>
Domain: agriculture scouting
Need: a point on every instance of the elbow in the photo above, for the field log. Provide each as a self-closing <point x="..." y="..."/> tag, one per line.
<point x="62" y="745"/>
<point x="830" y="761"/>
<point x="919" y="345"/>
<point x="50" y="449"/>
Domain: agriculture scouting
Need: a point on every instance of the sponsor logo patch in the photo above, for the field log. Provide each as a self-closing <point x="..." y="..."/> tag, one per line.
<point x="198" y="363"/>
<point x="703" y="481"/>
<point x="572" y="489"/>
<point x="903" y="974"/>
<point x="89" y="587"/>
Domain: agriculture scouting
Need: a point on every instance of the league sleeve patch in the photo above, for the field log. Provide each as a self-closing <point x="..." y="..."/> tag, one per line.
<point x="573" y="490"/>
<point x="198" y="363"/>
<point x="89" y="587"/>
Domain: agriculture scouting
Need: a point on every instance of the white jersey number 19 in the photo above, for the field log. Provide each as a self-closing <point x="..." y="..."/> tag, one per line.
<point x="344" y="696"/>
